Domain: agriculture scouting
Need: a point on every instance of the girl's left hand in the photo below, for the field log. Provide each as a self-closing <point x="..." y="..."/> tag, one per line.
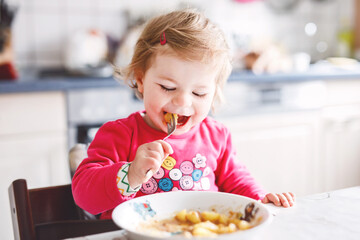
<point x="286" y="199"/>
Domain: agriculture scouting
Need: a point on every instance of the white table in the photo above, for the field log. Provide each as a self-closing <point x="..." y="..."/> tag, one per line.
<point x="331" y="215"/>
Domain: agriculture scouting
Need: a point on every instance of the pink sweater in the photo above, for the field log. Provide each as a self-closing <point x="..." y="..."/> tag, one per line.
<point x="203" y="160"/>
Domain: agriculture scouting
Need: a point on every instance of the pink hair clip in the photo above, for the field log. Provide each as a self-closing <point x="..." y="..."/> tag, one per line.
<point x="163" y="39"/>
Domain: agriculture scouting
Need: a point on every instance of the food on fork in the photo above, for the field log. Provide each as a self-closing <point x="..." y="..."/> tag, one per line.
<point x="168" y="117"/>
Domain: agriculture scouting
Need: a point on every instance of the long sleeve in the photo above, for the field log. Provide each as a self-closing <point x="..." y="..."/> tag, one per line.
<point x="203" y="160"/>
<point x="94" y="183"/>
<point x="232" y="176"/>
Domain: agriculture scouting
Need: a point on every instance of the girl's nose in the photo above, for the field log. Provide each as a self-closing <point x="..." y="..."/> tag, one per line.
<point x="182" y="99"/>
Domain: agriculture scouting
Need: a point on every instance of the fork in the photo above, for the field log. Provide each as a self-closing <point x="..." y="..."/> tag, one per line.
<point x="171" y="126"/>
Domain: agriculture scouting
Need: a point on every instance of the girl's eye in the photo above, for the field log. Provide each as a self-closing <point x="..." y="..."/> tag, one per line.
<point x="166" y="89"/>
<point x="199" y="94"/>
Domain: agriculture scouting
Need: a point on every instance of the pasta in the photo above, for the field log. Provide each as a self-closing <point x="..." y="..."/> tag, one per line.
<point x="168" y="116"/>
<point x="203" y="224"/>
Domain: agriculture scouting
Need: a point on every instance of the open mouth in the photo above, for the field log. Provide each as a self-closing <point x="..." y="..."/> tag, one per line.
<point x="181" y="120"/>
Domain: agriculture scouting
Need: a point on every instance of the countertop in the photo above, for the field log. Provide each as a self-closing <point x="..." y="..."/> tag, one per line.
<point x="323" y="216"/>
<point x="31" y="81"/>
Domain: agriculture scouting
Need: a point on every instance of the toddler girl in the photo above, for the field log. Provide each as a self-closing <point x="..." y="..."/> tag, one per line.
<point x="180" y="64"/>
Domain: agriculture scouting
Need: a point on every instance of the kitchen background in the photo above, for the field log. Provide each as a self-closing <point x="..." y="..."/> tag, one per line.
<point x="295" y="125"/>
<point x="42" y="28"/>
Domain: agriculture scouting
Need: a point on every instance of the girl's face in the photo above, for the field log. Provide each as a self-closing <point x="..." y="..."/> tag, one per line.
<point x="174" y="85"/>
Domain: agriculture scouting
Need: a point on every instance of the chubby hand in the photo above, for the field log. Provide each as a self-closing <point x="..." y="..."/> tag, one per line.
<point x="149" y="156"/>
<point x="286" y="199"/>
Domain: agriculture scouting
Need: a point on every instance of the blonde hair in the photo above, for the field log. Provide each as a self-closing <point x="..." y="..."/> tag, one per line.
<point x="191" y="36"/>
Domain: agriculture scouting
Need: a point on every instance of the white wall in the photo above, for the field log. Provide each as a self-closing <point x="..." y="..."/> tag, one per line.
<point x="42" y="27"/>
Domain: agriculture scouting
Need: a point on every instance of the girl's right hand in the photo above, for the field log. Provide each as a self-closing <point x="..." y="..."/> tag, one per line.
<point x="149" y="156"/>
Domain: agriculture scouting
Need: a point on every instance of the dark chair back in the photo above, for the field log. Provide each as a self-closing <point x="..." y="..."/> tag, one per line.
<point x="50" y="213"/>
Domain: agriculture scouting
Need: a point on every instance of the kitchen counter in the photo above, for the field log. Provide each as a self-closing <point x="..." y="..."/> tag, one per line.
<point x="330" y="215"/>
<point x="320" y="71"/>
<point x="32" y="81"/>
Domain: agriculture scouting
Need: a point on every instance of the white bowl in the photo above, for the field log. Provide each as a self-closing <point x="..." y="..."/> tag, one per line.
<point x="130" y="214"/>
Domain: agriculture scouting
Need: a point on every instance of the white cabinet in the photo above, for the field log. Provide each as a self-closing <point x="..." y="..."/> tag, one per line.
<point x="279" y="149"/>
<point x="303" y="151"/>
<point x="33" y="145"/>
<point x="340" y="143"/>
<point x="341" y="146"/>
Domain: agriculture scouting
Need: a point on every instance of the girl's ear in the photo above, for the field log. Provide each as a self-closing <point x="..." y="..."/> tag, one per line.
<point x="139" y="82"/>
